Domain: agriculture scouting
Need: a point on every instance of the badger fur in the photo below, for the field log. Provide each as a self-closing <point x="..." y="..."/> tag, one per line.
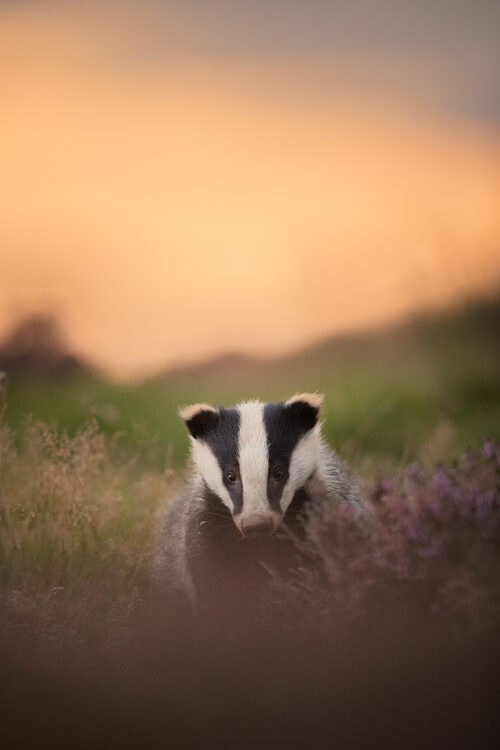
<point x="257" y="469"/>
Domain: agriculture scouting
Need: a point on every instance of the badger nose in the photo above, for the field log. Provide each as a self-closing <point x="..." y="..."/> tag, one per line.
<point x="255" y="525"/>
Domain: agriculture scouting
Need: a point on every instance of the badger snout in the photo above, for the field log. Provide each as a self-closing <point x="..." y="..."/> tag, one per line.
<point x="256" y="525"/>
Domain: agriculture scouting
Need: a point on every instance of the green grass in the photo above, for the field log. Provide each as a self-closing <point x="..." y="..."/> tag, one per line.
<point x="369" y="418"/>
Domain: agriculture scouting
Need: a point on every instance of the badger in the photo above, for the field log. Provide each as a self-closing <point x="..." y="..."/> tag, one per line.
<point x="257" y="470"/>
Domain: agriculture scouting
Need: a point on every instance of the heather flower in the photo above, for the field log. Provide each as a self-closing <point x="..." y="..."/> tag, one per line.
<point x="491" y="449"/>
<point x="432" y="550"/>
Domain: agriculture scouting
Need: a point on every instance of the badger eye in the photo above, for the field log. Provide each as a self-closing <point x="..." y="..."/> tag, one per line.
<point x="231" y="477"/>
<point x="277" y="473"/>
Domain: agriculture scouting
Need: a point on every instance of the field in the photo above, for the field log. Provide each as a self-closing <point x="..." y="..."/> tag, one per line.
<point x="87" y="467"/>
<point x="424" y="390"/>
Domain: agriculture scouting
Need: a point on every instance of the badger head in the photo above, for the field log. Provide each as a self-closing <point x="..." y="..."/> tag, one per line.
<point x="255" y="456"/>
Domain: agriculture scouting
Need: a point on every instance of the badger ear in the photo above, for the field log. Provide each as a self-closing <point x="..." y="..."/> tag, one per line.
<point x="304" y="408"/>
<point x="200" y="419"/>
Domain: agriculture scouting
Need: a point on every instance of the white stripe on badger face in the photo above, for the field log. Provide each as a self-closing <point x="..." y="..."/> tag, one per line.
<point x="209" y="468"/>
<point x="303" y="463"/>
<point x="253" y="458"/>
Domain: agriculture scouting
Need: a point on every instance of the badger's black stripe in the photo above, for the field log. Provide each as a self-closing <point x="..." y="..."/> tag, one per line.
<point x="202" y="423"/>
<point x="285" y="425"/>
<point x="223" y="442"/>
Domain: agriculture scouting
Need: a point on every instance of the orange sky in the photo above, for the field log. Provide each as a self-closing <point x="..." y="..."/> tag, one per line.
<point x="172" y="207"/>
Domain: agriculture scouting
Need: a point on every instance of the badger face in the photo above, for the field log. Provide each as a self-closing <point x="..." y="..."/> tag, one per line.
<point x="255" y="456"/>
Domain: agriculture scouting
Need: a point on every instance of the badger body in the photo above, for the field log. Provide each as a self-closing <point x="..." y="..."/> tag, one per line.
<point x="258" y="471"/>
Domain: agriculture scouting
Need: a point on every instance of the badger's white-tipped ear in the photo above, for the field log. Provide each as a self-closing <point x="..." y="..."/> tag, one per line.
<point x="304" y="408"/>
<point x="200" y="419"/>
<point x="315" y="400"/>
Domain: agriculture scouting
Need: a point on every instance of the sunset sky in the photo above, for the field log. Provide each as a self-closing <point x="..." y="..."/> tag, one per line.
<point x="182" y="178"/>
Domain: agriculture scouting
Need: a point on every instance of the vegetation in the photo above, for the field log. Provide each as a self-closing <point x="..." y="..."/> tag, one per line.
<point x="87" y="467"/>
<point x="390" y="615"/>
<point x="76" y="530"/>
<point x="79" y="518"/>
<point x="429" y="550"/>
